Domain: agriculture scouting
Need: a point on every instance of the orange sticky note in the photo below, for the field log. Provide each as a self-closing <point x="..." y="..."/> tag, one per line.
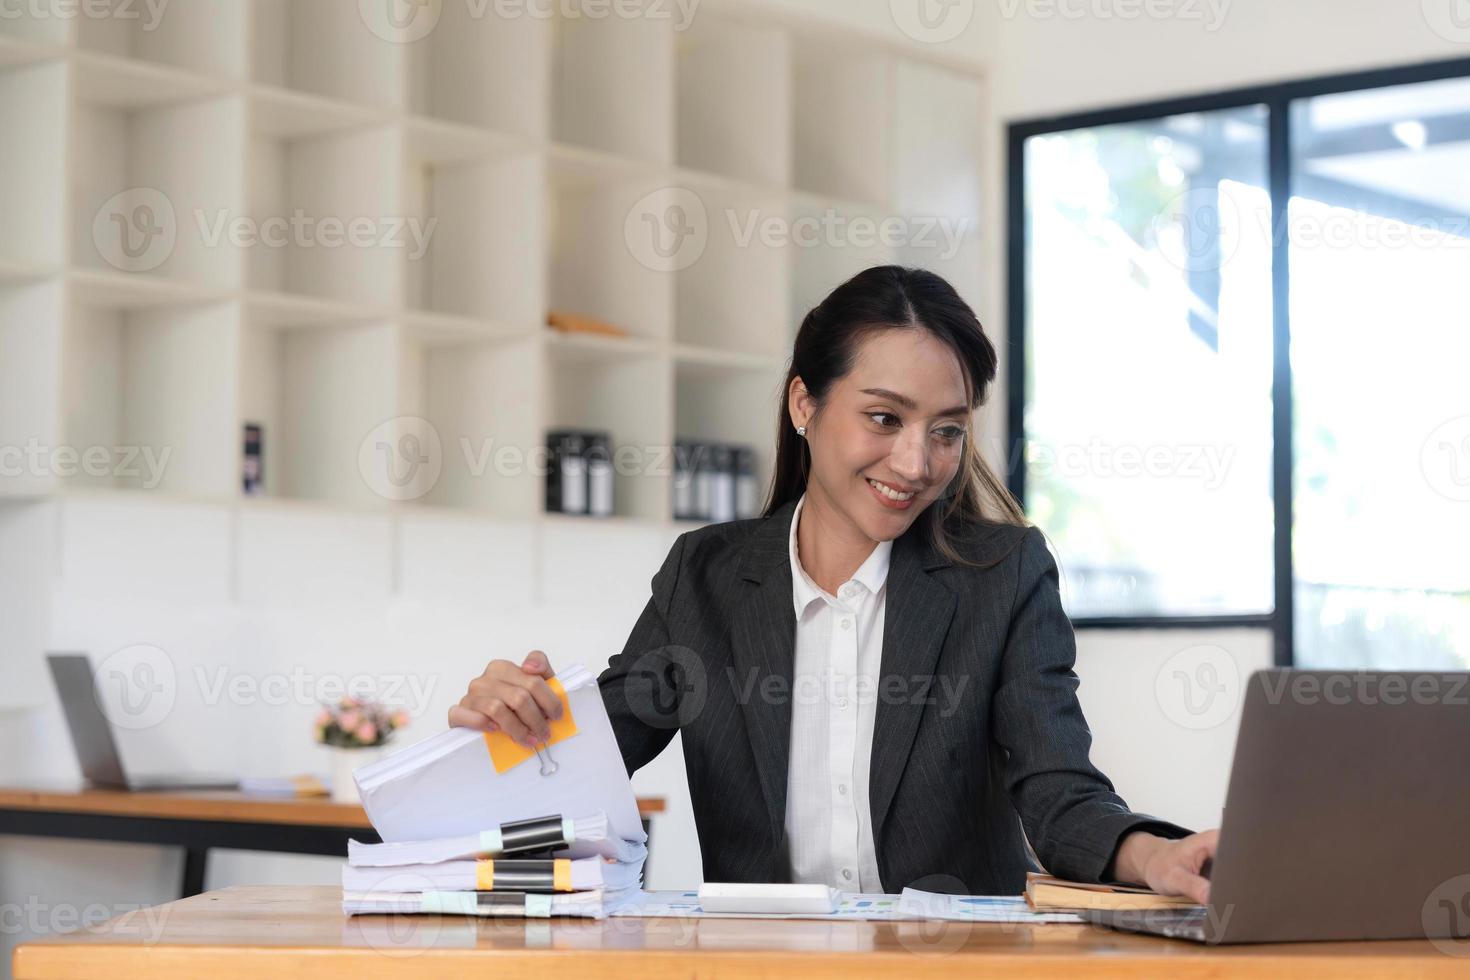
<point x="561" y="875"/>
<point x="506" y="754"/>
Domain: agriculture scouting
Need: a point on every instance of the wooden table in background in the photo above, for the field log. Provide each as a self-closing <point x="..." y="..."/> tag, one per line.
<point x="197" y="820"/>
<point x="300" y="933"/>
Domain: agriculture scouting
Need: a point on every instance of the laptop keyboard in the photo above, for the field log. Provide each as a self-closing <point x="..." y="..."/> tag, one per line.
<point x="1174" y="923"/>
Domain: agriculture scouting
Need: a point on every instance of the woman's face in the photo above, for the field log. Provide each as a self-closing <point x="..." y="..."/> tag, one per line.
<point x="890" y="435"/>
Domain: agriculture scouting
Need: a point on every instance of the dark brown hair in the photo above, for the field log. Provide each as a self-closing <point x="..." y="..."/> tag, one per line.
<point x="891" y="297"/>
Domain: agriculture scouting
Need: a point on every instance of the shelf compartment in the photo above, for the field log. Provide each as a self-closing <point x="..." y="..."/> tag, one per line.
<point x="328" y="48"/>
<point x="842" y="120"/>
<point x="936" y="170"/>
<point x="937" y="121"/>
<point x="730" y="405"/>
<point x="736" y="295"/>
<point x="838" y="255"/>
<point x="628" y="395"/>
<point x="158" y="380"/>
<point x="34" y="101"/>
<point x="318" y="391"/>
<point x="30" y="378"/>
<point x="481" y="230"/>
<point x="600" y="263"/>
<point x="206" y="36"/>
<point x="483" y="401"/>
<point x="483" y="70"/>
<point x="312" y="190"/>
<point x="614" y="81"/>
<point x="735" y="100"/>
<point x="150" y="185"/>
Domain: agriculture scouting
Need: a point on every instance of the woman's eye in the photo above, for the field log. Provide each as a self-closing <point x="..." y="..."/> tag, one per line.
<point x="880" y="417"/>
<point x="951" y="433"/>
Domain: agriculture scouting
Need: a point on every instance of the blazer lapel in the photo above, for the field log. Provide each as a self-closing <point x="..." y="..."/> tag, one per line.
<point x="917" y="614"/>
<point x="763" y="644"/>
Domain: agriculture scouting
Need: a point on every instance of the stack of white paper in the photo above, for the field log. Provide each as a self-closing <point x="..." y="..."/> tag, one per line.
<point x="588" y="836"/>
<point x="474" y="824"/>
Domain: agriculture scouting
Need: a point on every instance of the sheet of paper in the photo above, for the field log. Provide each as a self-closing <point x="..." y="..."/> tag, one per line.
<point x="447" y="786"/>
<point x="685" y="904"/>
<point x="911" y="905"/>
<point x="976" y="908"/>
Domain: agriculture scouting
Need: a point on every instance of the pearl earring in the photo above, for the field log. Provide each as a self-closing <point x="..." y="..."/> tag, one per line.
<point x="801" y="430"/>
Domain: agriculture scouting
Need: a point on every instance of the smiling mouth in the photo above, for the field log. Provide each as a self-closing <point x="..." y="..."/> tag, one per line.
<point x="890" y="492"/>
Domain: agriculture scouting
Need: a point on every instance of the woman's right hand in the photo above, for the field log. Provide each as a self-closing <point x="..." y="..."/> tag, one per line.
<point x="511" y="698"/>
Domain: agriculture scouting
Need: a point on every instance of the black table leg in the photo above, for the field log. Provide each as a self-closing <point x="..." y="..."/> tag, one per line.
<point x="196" y="861"/>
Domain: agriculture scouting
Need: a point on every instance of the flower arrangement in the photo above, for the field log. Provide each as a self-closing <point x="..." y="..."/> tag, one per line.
<point x="356" y="724"/>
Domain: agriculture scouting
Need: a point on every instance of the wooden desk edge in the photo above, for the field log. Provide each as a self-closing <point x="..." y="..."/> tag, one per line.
<point x="58" y="961"/>
<point x="235" y="807"/>
<point x="213" y="935"/>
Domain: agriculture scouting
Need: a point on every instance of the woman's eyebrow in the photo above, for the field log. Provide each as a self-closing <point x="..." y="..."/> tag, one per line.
<point x="904" y="401"/>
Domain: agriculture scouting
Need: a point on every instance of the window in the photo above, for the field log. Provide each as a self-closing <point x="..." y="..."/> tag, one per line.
<point x="1148" y="353"/>
<point x="1239" y="395"/>
<point x="1380" y="264"/>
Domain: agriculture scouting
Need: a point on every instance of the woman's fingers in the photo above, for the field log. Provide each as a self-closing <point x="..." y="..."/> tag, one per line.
<point x="1191" y="886"/>
<point x="462" y="717"/>
<point x="511" y="698"/>
<point x="534" y="670"/>
<point x="537" y="662"/>
<point x="512" y="708"/>
<point x="1183" y="865"/>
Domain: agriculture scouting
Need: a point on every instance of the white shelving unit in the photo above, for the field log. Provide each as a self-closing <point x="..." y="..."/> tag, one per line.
<point x="526" y="156"/>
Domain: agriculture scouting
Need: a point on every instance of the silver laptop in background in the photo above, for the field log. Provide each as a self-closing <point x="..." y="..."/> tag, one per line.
<point x="91" y="734"/>
<point x="1346" y="816"/>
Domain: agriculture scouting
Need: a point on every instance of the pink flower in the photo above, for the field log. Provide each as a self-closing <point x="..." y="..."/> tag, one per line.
<point x="400" y="719"/>
<point x="323" y="718"/>
<point x="349" y="720"/>
<point x="367" y="732"/>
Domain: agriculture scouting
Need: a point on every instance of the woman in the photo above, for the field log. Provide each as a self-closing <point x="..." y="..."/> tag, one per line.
<point x="873" y="679"/>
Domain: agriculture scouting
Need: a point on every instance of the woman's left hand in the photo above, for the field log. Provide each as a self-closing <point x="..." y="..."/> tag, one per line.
<point x="1169" y="867"/>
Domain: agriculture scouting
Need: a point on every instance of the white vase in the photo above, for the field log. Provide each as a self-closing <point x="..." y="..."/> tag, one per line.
<point x="344" y="789"/>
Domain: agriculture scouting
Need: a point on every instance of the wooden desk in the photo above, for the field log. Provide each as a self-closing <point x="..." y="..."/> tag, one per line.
<point x="300" y="933"/>
<point x="197" y="820"/>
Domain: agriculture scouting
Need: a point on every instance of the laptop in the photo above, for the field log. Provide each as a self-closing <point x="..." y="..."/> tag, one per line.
<point x="91" y="734"/>
<point x="1345" y="817"/>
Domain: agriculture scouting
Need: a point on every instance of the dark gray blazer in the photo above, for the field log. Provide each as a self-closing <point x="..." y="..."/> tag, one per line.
<point x="977" y="715"/>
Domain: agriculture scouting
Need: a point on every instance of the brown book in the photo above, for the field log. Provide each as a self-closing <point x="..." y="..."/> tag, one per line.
<point x="1045" y="893"/>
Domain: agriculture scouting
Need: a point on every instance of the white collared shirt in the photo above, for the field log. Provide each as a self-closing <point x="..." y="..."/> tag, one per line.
<point x="839" y="651"/>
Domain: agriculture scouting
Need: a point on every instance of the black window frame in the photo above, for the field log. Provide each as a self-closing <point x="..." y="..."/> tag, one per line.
<point x="1277" y="98"/>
